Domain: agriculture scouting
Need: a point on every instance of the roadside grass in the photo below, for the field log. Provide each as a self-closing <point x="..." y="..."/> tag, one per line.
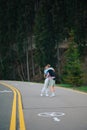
<point x="81" y="88"/>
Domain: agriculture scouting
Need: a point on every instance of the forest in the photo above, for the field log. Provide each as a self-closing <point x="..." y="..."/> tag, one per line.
<point x="32" y="33"/>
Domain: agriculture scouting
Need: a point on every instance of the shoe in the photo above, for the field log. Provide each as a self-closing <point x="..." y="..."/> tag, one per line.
<point x="41" y="94"/>
<point x="52" y="95"/>
<point x="47" y="95"/>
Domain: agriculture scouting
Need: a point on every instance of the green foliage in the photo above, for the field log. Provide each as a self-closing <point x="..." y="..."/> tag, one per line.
<point x="44" y="35"/>
<point x="54" y="19"/>
<point x="76" y="12"/>
<point x="81" y="88"/>
<point x="59" y="19"/>
<point x="16" y="20"/>
<point x="72" y="72"/>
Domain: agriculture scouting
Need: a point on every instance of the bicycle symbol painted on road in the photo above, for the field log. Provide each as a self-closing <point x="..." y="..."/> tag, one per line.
<point x="53" y="115"/>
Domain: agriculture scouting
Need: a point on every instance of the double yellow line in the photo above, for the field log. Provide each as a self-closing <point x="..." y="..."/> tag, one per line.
<point x="20" y="110"/>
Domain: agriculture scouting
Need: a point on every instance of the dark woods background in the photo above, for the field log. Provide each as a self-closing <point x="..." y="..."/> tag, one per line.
<point x="34" y="33"/>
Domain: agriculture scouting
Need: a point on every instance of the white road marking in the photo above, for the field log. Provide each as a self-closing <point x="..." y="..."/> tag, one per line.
<point x="53" y="115"/>
<point x="5" y="91"/>
<point x="56" y="119"/>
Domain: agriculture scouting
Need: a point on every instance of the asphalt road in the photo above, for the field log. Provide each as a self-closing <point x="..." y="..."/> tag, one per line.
<point x="6" y="97"/>
<point x="66" y="111"/>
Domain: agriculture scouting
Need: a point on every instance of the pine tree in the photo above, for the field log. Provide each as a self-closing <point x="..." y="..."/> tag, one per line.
<point x="44" y="35"/>
<point x="72" y="73"/>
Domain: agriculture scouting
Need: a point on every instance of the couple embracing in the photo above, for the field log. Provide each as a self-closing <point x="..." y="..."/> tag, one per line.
<point x="49" y="74"/>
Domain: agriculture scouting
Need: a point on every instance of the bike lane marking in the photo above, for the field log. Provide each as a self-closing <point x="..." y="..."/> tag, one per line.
<point x="20" y="110"/>
<point x="53" y="115"/>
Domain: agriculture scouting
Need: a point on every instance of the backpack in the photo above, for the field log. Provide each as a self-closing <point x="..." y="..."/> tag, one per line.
<point x="52" y="73"/>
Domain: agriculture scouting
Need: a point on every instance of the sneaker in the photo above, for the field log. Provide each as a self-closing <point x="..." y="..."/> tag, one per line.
<point x="41" y="94"/>
<point x="47" y="95"/>
<point x="52" y="95"/>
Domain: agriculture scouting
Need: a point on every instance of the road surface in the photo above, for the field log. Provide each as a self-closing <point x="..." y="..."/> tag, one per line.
<point x="66" y="111"/>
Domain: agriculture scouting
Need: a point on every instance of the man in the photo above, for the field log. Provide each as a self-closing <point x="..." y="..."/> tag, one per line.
<point x="49" y="74"/>
<point x="52" y="78"/>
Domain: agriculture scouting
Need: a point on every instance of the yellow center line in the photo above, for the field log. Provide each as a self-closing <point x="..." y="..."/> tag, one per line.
<point x="20" y="110"/>
<point x="13" y="115"/>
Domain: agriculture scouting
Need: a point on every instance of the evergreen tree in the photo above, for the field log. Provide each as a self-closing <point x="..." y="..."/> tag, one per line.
<point x="44" y="35"/>
<point x="72" y="72"/>
<point x="76" y="18"/>
<point x="16" y="20"/>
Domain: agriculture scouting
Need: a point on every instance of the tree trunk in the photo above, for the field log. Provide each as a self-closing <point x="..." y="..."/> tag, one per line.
<point x="58" y="57"/>
<point x="27" y="60"/>
<point x="32" y="59"/>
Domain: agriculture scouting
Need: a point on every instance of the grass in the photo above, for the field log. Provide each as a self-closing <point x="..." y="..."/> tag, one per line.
<point x="81" y="88"/>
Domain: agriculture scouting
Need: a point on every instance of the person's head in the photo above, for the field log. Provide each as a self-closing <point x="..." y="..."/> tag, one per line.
<point x="48" y="65"/>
